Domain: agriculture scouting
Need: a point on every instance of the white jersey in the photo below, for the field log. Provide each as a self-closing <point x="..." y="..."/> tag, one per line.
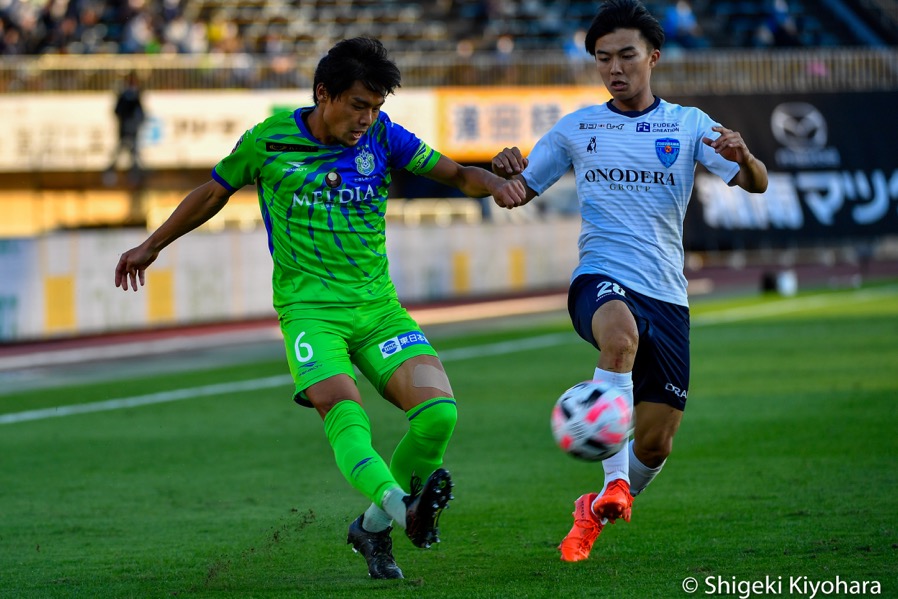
<point x="634" y="174"/>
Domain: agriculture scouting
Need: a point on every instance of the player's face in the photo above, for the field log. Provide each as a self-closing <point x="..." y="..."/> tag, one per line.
<point x="346" y="118"/>
<point x="625" y="61"/>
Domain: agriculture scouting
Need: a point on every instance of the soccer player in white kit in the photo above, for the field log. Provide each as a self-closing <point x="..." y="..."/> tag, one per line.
<point x="634" y="159"/>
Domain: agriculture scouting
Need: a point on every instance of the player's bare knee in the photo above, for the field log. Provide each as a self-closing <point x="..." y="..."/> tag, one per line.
<point x="619" y="347"/>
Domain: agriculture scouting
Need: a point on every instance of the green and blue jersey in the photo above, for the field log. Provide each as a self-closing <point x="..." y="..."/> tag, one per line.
<point x="324" y="206"/>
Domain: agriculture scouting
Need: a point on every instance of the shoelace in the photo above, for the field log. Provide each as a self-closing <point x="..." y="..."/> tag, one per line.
<point x="416" y="486"/>
<point x="588" y="536"/>
<point x="379" y="547"/>
<point x="588" y="528"/>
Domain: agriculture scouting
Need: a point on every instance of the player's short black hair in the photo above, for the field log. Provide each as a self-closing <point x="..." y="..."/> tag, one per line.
<point x="624" y="14"/>
<point x="358" y="59"/>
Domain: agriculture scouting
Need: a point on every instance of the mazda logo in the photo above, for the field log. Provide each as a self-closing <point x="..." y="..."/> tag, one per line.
<point x="799" y="126"/>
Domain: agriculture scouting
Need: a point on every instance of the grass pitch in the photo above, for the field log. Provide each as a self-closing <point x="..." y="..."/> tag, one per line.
<point x="783" y="472"/>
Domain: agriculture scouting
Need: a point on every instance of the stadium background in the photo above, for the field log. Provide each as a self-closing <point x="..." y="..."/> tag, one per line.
<point x="812" y="86"/>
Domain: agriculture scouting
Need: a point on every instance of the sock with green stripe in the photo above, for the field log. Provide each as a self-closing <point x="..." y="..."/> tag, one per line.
<point x="421" y="450"/>
<point x="349" y="431"/>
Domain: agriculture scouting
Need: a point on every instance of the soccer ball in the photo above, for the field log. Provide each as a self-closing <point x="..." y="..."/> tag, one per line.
<point x="592" y="420"/>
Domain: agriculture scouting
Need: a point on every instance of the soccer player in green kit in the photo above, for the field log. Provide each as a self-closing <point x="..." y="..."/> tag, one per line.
<point x="322" y="174"/>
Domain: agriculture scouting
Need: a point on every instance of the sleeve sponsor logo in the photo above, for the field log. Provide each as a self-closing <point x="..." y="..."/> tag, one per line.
<point x="239" y="141"/>
<point x="420" y="158"/>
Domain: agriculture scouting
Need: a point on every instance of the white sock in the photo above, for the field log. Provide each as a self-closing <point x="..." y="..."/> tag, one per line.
<point x="394" y="506"/>
<point x="618" y="465"/>
<point x="375" y="519"/>
<point x="640" y="474"/>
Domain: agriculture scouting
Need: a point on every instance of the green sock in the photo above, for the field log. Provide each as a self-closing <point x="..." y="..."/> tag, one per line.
<point x="349" y="431"/>
<point x="421" y="450"/>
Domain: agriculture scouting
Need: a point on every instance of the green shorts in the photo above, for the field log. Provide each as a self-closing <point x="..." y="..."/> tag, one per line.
<point x="324" y="342"/>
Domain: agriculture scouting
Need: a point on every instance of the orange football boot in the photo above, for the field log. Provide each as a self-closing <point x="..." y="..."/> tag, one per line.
<point x="616" y="502"/>
<point x="578" y="542"/>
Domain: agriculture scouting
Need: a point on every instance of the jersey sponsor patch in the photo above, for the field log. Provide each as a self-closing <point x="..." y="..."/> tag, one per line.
<point x="333" y="179"/>
<point x="608" y="126"/>
<point x="273" y="146"/>
<point x="400" y="342"/>
<point x="644" y="127"/>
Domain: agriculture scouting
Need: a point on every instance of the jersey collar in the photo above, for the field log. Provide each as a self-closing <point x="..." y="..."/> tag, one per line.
<point x="301" y="123"/>
<point x="634" y="113"/>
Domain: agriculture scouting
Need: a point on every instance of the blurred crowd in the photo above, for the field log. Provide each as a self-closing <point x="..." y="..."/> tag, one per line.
<point x="279" y="27"/>
<point x="108" y="27"/>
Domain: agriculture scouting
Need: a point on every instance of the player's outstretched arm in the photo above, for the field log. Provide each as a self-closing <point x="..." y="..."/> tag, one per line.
<point x="476" y="182"/>
<point x="752" y="175"/>
<point x="196" y="208"/>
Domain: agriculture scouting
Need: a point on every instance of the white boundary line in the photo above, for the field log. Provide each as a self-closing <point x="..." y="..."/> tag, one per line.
<point x="130" y="349"/>
<point x="792" y="305"/>
<point x="450" y="355"/>
<point x="145" y="400"/>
